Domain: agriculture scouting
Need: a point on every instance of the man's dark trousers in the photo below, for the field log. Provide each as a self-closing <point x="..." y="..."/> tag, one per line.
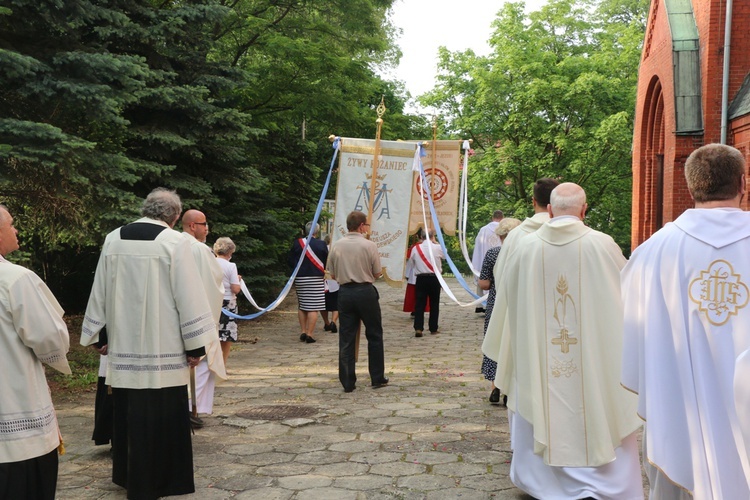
<point x="427" y="286"/>
<point x="360" y="302"/>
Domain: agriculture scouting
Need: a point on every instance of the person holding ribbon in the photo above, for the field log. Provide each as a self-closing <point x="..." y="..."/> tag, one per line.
<point x="426" y="261"/>
<point x="310" y="280"/>
<point x="224" y="248"/>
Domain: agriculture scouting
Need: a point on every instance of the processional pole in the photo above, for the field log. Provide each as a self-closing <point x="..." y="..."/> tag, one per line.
<point x="380" y="110"/>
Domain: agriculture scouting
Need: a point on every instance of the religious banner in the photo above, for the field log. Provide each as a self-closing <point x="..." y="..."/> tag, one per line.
<point x="391" y="197"/>
<point x="442" y="169"/>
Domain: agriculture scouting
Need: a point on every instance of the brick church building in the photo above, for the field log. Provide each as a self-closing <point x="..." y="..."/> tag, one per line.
<point x="680" y="107"/>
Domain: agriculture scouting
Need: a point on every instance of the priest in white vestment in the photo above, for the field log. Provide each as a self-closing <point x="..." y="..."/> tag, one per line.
<point x="574" y="429"/>
<point x="148" y="293"/>
<point x="32" y="332"/>
<point x="687" y="336"/>
<point x="211" y="366"/>
<point x="486" y="239"/>
<point x="494" y="341"/>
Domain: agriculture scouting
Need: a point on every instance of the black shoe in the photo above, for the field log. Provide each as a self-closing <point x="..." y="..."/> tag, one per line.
<point x="333" y="328"/>
<point x="303" y="337"/>
<point x="479" y="310"/>
<point x="505" y="400"/>
<point x="495" y="396"/>
<point x="195" y="422"/>
<point x="310" y="340"/>
<point x="348" y="389"/>
<point x="327" y="327"/>
<point x="383" y="382"/>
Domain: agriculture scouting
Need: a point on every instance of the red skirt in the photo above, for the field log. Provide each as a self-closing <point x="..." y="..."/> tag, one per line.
<point x="410" y="299"/>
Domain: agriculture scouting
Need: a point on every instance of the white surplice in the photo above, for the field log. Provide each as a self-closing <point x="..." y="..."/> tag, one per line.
<point x="486" y="239"/>
<point x="687" y="329"/>
<point x="561" y="295"/>
<point x="151" y="299"/>
<point x="32" y="332"/>
<point x="212" y="365"/>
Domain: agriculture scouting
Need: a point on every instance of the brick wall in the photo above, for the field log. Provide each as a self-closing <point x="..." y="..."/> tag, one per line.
<point x="659" y="190"/>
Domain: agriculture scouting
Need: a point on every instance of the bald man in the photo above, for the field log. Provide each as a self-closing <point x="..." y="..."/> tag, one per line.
<point x="573" y="424"/>
<point x="195" y="228"/>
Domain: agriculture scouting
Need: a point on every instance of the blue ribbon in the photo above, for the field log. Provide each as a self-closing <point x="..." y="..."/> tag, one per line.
<point x="436" y="224"/>
<point x="318" y="210"/>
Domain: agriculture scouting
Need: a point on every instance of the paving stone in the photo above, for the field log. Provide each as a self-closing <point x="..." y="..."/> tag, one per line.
<point x="487" y="482"/>
<point x="430" y="458"/>
<point x="297" y="422"/>
<point x="376" y="457"/>
<point x="354" y="446"/>
<point x="383" y="437"/>
<point x="341" y="469"/>
<point x="305" y="482"/>
<point x="363" y="483"/>
<point x="249" y="448"/>
<point x="426" y="482"/>
<point x="436" y="437"/>
<point x="398" y="469"/>
<point x="264" y="494"/>
<point x="459" y="469"/>
<point x="285" y="469"/>
<point x="261" y="459"/>
<point x="321" y="457"/>
<point x="330" y="494"/>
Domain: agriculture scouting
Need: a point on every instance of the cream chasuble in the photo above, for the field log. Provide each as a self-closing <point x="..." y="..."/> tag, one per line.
<point x="496" y="346"/>
<point x="686" y="293"/>
<point x="564" y="321"/>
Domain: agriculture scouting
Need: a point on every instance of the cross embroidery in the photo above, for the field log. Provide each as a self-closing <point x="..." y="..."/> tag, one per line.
<point x="564" y="341"/>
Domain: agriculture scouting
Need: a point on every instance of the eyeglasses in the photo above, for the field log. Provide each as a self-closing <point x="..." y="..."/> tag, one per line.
<point x="201" y="223"/>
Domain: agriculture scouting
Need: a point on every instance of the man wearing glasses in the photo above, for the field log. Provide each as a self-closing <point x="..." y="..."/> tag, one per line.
<point x="354" y="262"/>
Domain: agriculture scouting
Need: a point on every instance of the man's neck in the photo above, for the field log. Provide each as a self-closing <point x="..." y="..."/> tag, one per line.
<point x="733" y="203"/>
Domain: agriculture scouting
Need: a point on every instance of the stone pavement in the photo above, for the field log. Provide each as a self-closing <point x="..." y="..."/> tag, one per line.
<point x="430" y="434"/>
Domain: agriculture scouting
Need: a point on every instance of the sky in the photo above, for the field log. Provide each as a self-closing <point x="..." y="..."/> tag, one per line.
<point x="427" y="25"/>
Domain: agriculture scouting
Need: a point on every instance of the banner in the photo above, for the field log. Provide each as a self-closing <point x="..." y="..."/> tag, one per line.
<point x="444" y="185"/>
<point x="389" y="222"/>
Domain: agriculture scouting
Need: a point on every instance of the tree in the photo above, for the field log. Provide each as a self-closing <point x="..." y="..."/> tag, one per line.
<point x="103" y="101"/>
<point x="554" y="99"/>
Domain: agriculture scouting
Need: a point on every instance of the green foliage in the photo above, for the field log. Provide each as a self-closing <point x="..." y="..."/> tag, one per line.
<point x="554" y="99"/>
<point x="103" y="101"/>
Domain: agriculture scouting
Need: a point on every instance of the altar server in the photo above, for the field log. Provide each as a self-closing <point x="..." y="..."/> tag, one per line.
<point x="32" y="332"/>
<point x="148" y="293"/>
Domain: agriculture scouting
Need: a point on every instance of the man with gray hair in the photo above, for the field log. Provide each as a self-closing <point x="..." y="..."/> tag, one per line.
<point x="573" y="424"/>
<point x="687" y="336"/>
<point x="310" y="280"/>
<point x="149" y="295"/>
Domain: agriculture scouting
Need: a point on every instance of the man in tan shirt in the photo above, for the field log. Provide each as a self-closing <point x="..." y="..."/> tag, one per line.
<point x="354" y="262"/>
